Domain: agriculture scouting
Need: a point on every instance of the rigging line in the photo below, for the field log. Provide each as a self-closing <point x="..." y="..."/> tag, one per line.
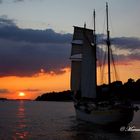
<point x="104" y="58"/>
<point x="99" y="58"/>
<point x="113" y="62"/>
<point x="101" y="70"/>
<point x="103" y="66"/>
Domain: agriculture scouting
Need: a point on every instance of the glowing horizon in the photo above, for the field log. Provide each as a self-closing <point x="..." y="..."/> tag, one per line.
<point x="43" y="83"/>
<point x="36" y="85"/>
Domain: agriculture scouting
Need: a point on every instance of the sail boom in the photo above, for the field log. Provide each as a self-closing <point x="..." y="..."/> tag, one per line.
<point x="78" y="42"/>
<point x="77" y="57"/>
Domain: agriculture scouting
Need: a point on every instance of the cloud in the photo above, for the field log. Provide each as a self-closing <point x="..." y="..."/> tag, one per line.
<point x="27" y="59"/>
<point x="18" y="0"/>
<point x="1" y="1"/>
<point x="129" y="43"/>
<point x="3" y="91"/>
<point x="25" y="52"/>
<point x="5" y="22"/>
<point x="10" y="31"/>
<point x="129" y="48"/>
<point x="31" y="90"/>
<point x="125" y="49"/>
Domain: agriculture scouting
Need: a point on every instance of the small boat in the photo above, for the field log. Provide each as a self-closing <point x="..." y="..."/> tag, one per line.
<point x="84" y="82"/>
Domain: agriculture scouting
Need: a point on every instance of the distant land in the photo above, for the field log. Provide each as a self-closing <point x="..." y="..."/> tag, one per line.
<point x="129" y="90"/>
<point x="56" y="96"/>
<point x="5" y="99"/>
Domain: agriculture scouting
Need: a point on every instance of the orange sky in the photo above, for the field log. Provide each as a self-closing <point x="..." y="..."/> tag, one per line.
<point x="34" y="86"/>
<point x="42" y="83"/>
<point x="124" y="71"/>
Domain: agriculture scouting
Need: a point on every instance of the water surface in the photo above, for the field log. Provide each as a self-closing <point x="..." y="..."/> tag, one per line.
<point x="31" y="120"/>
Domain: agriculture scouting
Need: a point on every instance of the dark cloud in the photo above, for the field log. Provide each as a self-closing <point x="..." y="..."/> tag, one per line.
<point x="24" y="0"/>
<point x="24" y="52"/>
<point x="128" y="43"/>
<point x="131" y="45"/>
<point x="32" y="90"/>
<point x="3" y="91"/>
<point x="125" y="49"/>
<point x="18" y="0"/>
<point x="27" y="59"/>
<point x="8" y="30"/>
<point x="5" y="22"/>
<point x="127" y="58"/>
<point x="1" y="1"/>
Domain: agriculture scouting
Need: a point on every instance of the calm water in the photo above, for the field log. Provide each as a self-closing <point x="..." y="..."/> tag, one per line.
<point x="30" y="120"/>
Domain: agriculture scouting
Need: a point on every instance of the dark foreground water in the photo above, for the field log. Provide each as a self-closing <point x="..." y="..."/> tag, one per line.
<point x="30" y="120"/>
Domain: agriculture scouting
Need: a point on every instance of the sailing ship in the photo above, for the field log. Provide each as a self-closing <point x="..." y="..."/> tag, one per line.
<point x="84" y="82"/>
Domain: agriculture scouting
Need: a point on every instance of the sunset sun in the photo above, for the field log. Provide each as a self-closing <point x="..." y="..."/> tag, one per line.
<point x="21" y="94"/>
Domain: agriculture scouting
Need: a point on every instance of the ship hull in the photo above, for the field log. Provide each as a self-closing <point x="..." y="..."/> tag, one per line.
<point x="116" y="116"/>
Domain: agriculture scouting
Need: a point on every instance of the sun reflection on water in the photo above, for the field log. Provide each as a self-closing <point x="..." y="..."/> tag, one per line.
<point x="21" y="129"/>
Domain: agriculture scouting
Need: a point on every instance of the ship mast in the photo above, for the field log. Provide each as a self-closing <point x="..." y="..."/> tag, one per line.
<point x="94" y="39"/>
<point x="94" y="25"/>
<point x="108" y="45"/>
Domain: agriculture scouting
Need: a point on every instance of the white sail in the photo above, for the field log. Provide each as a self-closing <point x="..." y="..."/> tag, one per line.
<point x="88" y="77"/>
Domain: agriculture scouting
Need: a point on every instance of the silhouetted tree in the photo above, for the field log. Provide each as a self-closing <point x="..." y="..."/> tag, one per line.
<point x="56" y="96"/>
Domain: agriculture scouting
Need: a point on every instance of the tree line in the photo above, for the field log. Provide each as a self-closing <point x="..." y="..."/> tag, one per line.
<point x="129" y="90"/>
<point x="56" y="96"/>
